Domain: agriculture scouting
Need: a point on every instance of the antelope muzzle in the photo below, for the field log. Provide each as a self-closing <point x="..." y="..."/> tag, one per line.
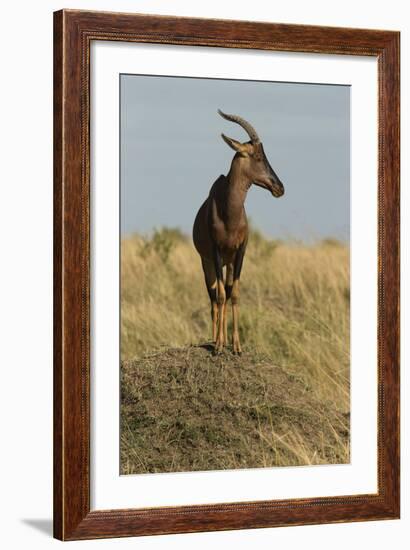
<point x="277" y="188"/>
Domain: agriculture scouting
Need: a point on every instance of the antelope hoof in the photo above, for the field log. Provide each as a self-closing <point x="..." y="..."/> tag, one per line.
<point x="219" y="345"/>
<point x="236" y="347"/>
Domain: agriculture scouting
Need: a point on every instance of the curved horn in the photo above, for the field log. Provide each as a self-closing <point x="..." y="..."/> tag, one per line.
<point x="242" y="122"/>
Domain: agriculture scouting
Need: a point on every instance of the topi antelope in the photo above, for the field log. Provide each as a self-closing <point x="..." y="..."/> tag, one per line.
<point x="220" y="230"/>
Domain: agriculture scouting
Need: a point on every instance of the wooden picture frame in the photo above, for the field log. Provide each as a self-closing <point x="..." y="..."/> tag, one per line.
<point x="73" y="33"/>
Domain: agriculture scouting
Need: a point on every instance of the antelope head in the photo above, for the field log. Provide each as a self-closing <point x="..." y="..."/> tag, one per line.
<point x="250" y="156"/>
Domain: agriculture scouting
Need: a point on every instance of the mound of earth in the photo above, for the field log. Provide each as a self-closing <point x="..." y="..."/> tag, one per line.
<point x="185" y="409"/>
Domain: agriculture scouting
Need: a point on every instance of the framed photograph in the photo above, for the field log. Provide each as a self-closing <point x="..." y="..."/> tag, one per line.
<point x="226" y="275"/>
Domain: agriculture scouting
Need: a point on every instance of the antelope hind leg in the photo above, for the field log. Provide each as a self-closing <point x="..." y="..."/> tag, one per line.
<point x="211" y="285"/>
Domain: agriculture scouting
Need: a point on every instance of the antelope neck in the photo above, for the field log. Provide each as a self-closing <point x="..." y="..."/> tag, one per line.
<point x="236" y="190"/>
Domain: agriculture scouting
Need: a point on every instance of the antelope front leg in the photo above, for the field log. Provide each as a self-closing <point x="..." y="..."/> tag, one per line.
<point x="220" y="338"/>
<point x="221" y="299"/>
<point x="236" y="344"/>
<point x="225" y="320"/>
<point x="212" y="289"/>
<point x="214" y="315"/>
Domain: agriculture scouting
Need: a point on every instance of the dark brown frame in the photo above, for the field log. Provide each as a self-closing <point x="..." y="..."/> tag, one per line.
<point x="73" y="33"/>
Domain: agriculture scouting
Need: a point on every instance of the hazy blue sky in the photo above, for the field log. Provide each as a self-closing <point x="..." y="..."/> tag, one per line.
<point x="172" y="152"/>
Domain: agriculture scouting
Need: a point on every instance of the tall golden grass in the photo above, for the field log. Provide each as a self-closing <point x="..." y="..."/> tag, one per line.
<point x="294" y="304"/>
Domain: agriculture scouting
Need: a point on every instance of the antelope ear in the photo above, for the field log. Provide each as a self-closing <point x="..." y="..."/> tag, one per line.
<point x="235" y="145"/>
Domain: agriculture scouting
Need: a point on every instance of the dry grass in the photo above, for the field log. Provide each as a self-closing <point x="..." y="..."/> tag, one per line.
<point x="294" y="325"/>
